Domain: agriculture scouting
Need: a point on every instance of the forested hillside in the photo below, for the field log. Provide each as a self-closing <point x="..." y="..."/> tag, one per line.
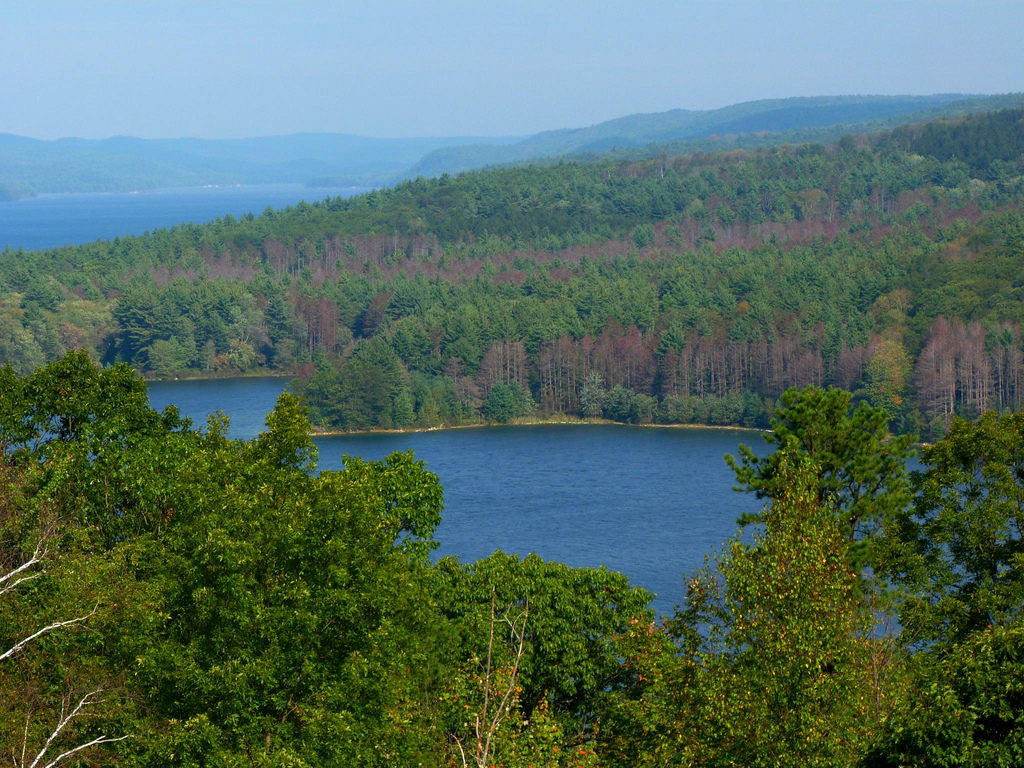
<point x="673" y="289"/>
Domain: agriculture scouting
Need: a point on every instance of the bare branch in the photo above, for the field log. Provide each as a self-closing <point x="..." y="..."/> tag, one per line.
<point x="8" y="582"/>
<point x="462" y="753"/>
<point x="518" y="634"/>
<point x="480" y="744"/>
<point x="88" y="700"/>
<point x="65" y="718"/>
<point x="24" y="739"/>
<point x="484" y="719"/>
<point x="49" y="628"/>
<point x="37" y="557"/>
<point x="14" y="584"/>
<point x="80" y="747"/>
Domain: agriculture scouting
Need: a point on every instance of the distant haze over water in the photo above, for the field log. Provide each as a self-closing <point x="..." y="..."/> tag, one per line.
<point x="50" y="221"/>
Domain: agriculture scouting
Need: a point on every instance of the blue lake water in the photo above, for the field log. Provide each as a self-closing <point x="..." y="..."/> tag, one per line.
<point x="648" y="502"/>
<point x="50" y="221"/>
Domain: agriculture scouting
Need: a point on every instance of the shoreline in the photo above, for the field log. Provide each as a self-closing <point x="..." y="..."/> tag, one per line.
<point x="323" y="432"/>
<point x="215" y="377"/>
<point x="316" y="431"/>
<point x="523" y="422"/>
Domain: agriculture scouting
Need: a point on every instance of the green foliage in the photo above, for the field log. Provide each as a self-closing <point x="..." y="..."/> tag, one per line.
<point x="761" y="271"/>
<point x="250" y="609"/>
<point x="574" y="615"/>
<point x="506" y="402"/>
<point x="592" y="396"/>
<point x="410" y="496"/>
<point x="885" y="379"/>
<point x="362" y="392"/>
<point x="404" y="413"/>
<point x="990" y="143"/>
<point x="291" y="602"/>
<point x="966" y="559"/>
<point x="239" y="606"/>
<point x="965" y="707"/>
<point x="787" y="638"/>
<point x="254" y="604"/>
<point x="774" y="659"/>
<point x="862" y="477"/>
<point x="627" y="406"/>
<point x="61" y="426"/>
<point x="286" y="442"/>
<point x="246" y="609"/>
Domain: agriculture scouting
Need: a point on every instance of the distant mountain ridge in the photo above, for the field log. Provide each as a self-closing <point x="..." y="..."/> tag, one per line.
<point x="123" y="163"/>
<point x="779" y="117"/>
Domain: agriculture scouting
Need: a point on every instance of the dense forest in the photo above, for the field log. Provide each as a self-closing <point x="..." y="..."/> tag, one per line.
<point x="172" y="597"/>
<point x="690" y="288"/>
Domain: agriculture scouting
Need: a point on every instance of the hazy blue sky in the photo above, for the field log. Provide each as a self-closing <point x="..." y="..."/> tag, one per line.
<point x="227" y="68"/>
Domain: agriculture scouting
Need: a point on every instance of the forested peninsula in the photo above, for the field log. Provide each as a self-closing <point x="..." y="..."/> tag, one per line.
<point x="677" y="289"/>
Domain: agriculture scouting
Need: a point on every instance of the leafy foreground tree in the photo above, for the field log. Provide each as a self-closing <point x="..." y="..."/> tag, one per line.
<point x="275" y="615"/>
<point x="570" y="666"/>
<point x="964" y="707"/>
<point x="965" y="532"/>
<point x="298" y="630"/>
<point x="964" y="571"/>
<point x="246" y="608"/>
<point x="66" y="592"/>
<point x="860" y="479"/>
<point x="774" y="649"/>
<point x="951" y="558"/>
<point x="229" y="604"/>
<point x="861" y="475"/>
<point x="776" y="657"/>
<point x="64" y="714"/>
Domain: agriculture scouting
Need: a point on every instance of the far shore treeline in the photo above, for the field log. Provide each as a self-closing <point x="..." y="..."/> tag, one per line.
<point x="677" y="289"/>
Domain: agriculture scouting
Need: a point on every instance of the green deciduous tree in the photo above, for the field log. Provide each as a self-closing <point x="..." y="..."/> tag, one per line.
<point x="67" y="588"/>
<point x="965" y="534"/>
<point x="773" y="666"/>
<point x="254" y="610"/>
<point x="570" y="664"/>
<point x="297" y="622"/>
<point x="592" y="396"/>
<point x="861" y="470"/>
<point x="506" y="402"/>
<point x="965" y="706"/>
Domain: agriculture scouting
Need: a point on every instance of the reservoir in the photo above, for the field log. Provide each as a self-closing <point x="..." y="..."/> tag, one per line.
<point x="649" y="502"/>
